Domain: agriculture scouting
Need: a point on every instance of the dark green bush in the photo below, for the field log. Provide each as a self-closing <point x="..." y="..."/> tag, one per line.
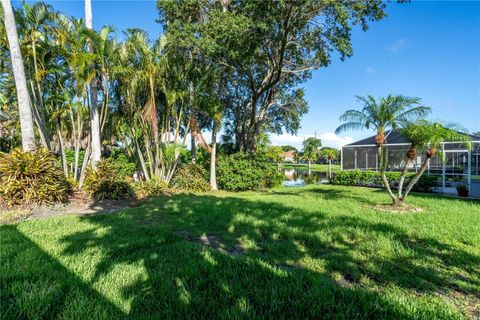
<point x="243" y="171"/>
<point x="106" y="183"/>
<point x="374" y="179"/>
<point x="190" y="177"/>
<point x="31" y="177"/>
<point x="150" y="188"/>
<point x="70" y="155"/>
<point x="125" y="167"/>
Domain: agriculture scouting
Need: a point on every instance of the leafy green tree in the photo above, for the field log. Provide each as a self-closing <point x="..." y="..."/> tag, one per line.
<point x="381" y="115"/>
<point x="287" y="148"/>
<point x="266" y="49"/>
<point x="311" y="149"/>
<point x="275" y="154"/>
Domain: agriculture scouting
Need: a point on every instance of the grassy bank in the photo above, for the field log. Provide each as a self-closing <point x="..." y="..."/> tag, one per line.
<point x="314" y="166"/>
<point x="312" y="252"/>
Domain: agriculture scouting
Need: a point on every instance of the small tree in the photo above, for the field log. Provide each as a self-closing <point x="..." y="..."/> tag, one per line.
<point x="330" y="154"/>
<point x="428" y="137"/>
<point x="381" y="115"/>
<point x="274" y="153"/>
<point x="311" y="149"/>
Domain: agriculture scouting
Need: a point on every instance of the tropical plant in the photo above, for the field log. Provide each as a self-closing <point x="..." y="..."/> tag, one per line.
<point x="105" y="182"/>
<point x="330" y="154"/>
<point x="311" y="149"/>
<point x="190" y="177"/>
<point x="31" y="177"/>
<point x="383" y="115"/>
<point x="150" y="188"/>
<point x="427" y="137"/>
<point x="462" y="190"/>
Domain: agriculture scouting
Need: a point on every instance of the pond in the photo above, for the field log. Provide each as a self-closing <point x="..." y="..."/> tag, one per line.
<point x="297" y="177"/>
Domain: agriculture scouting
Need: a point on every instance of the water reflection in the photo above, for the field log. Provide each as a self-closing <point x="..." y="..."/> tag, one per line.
<point x="296" y="177"/>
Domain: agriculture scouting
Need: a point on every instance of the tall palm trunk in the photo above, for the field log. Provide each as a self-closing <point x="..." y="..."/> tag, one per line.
<point x="23" y="97"/>
<point x="94" y="114"/>
<point x="213" y="157"/>
<point x="329" y="168"/>
<point x="62" y="150"/>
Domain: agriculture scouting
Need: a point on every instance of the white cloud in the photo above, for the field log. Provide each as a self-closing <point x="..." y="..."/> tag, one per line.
<point x="398" y="45"/>
<point x="329" y="139"/>
<point x="371" y="70"/>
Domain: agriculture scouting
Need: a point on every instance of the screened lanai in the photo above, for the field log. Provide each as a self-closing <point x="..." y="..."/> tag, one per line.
<point x="460" y="165"/>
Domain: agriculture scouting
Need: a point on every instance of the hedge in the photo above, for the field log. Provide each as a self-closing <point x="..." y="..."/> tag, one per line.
<point x="374" y="179"/>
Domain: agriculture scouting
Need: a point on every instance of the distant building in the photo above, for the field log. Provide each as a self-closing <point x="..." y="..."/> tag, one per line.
<point x="289" y="156"/>
<point x="460" y="165"/>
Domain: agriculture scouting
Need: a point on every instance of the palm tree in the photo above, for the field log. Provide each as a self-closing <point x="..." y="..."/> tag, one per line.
<point x="33" y="21"/>
<point x="96" y="144"/>
<point x="23" y="96"/>
<point x="382" y="115"/>
<point x="428" y="137"/>
<point x="331" y="154"/>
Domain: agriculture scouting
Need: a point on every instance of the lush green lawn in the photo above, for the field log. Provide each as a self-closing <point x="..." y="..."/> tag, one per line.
<point x="312" y="252"/>
<point x="314" y="166"/>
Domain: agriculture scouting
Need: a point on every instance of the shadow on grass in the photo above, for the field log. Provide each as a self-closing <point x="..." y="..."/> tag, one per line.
<point x="36" y="286"/>
<point x="271" y="277"/>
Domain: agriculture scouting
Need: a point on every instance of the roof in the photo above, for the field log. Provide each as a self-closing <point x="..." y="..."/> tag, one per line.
<point x="290" y="153"/>
<point x="393" y="137"/>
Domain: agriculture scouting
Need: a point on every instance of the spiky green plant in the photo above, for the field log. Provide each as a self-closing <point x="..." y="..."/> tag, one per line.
<point x="105" y="182"/>
<point x="31" y="177"/>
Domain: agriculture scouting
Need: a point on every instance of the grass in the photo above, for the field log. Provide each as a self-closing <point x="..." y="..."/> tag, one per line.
<point x="312" y="252"/>
<point x="314" y="166"/>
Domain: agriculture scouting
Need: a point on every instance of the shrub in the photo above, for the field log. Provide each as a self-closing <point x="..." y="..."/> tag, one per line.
<point x="31" y="177"/>
<point x="190" y="177"/>
<point x="374" y="179"/>
<point x="150" y="188"/>
<point x="462" y="190"/>
<point x="124" y="166"/>
<point x="106" y="183"/>
<point x="242" y="171"/>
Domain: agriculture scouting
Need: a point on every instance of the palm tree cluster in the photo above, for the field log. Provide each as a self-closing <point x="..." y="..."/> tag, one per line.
<point x="86" y="88"/>
<point x="408" y="115"/>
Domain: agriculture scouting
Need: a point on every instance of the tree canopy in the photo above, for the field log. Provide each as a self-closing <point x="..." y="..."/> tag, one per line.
<point x="265" y="51"/>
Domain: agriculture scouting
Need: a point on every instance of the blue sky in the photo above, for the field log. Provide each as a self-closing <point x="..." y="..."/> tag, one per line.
<point x="427" y="49"/>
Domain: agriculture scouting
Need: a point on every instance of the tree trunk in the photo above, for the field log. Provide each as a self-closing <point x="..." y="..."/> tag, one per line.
<point x="309" y="164"/>
<point x="395" y="200"/>
<point x="142" y="160"/>
<point x="41" y="124"/>
<point x="24" y="104"/>
<point x="193" y="149"/>
<point x="41" y="110"/>
<point x="94" y="114"/>
<point x="62" y="151"/>
<point x="402" y="178"/>
<point x="329" y="169"/>
<point x="86" y="158"/>
<point x="416" y="178"/>
<point x="213" y="157"/>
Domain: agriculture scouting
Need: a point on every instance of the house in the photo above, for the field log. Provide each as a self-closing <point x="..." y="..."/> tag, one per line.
<point x="460" y="165"/>
<point x="289" y="156"/>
